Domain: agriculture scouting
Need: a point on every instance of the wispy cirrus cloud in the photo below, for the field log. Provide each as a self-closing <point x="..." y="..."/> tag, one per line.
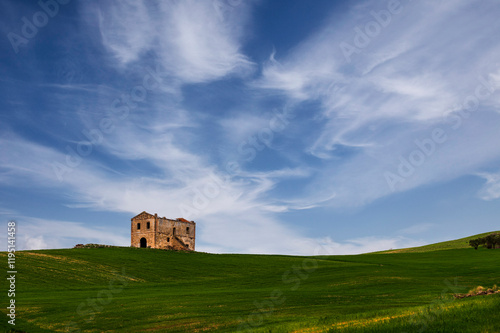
<point x="233" y="217"/>
<point x="404" y="82"/>
<point x="126" y="28"/>
<point x="197" y="41"/>
<point x="178" y="186"/>
<point x="348" y="120"/>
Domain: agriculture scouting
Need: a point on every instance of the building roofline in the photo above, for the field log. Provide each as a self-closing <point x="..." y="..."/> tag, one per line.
<point x="143" y="212"/>
<point x="179" y="219"/>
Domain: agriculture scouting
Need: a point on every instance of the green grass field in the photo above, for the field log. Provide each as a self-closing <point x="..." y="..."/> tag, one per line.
<point x="147" y="290"/>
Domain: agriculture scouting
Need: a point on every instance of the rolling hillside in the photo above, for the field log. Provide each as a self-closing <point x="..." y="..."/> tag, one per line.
<point x="461" y="243"/>
<point x="147" y="290"/>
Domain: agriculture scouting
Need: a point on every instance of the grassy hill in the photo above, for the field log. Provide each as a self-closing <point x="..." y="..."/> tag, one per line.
<point x="461" y="243"/>
<point x="147" y="290"/>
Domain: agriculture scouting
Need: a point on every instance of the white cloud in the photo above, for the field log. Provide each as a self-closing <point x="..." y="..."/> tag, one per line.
<point x="361" y="179"/>
<point x="126" y="28"/>
<point x="37" y="233"/>
<point x="411" y="72"/>
<point x="397" y="89"/>
<point x="23" y="162"/>
<point x="234" y="214"/>
<point x="35" y="243"/>
<point x="197" y="190"/>
<point x="197" y="41"/>
<point x="491" y="189"/>
<point x="201" y="45"/>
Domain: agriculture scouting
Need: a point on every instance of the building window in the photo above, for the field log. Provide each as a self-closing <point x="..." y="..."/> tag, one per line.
<point x="173" y="232"/>
<point x="138" y="226"/>
<point x="148" y="225"/>
<point x="187" y="230"/>
<point x="168" y="239"/>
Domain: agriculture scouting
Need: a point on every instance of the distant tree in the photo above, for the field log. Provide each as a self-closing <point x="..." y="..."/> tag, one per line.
<point x="491" y="241"/>
<point x="475" y="243"/>
<point x="482" y="241"/>
<point x="494" y="240"/>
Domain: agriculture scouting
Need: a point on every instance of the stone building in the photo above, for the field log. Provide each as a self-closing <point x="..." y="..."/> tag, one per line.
<point x="161" y="233"/>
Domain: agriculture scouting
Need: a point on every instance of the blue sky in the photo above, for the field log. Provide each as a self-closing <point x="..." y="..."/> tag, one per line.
<point x="278" y="126"/>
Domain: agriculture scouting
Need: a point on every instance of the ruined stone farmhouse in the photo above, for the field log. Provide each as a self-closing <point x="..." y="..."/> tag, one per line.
<point x="156" y="232"/>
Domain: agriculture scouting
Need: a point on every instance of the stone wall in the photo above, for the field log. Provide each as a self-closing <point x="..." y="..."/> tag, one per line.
<point x="143" y="232"/>
<point x="184" y="231"/>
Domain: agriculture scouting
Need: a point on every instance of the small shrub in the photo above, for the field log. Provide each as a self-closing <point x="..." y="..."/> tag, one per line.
<point x="476" y="290"/>
<point x="479" y="290"/>
<point x="91" y="246"/>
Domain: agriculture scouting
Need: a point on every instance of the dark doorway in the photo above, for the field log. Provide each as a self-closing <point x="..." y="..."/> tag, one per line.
<point x="144" y="242"/>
